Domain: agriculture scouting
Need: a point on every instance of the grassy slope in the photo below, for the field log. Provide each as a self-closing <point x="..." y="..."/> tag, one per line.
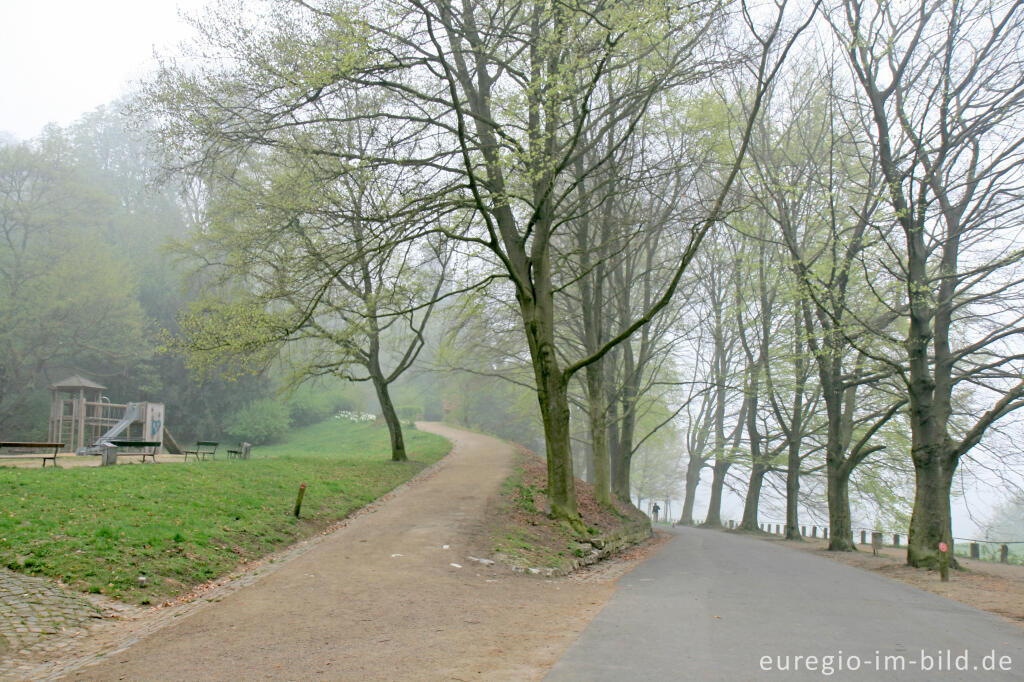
<point x="98" y="529"/>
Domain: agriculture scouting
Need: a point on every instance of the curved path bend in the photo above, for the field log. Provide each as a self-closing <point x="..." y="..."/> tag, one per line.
<point x="380" y="599"/>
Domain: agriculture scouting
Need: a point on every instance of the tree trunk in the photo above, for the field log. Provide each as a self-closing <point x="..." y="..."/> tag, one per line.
<point x="537" y="309"/>
<point x="714" y="517"/>
<point x="599" y="433"/>
<point x="387" y="408"/>
<point x="840" y="538"/>
<point x="750" y="505"/>
<point x="793" y="490"/>
<point x="553" y="399"/>
<point x="931" y="520"/>
<point x="693" y="468"/>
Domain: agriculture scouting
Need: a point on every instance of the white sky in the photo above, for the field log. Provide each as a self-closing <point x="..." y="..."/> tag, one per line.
<point x="62" y="58"/>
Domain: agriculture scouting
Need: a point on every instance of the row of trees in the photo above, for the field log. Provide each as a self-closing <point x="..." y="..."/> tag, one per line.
<point x="571" y="160"/>
<point x="882" y="223"/>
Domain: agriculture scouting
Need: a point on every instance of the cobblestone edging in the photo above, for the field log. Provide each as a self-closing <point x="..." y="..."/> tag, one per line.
<point x="51" y="631"/>
<point x="596" y="549"/>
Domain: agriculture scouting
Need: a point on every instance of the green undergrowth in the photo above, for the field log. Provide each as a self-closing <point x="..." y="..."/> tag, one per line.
<point x="99" y="528"/>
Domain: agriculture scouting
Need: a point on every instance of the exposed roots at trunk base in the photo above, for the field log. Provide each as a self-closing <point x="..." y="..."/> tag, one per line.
<point x="930" y="560"/>
<point x="573" y="521"/>
<point x="840" y="545"/>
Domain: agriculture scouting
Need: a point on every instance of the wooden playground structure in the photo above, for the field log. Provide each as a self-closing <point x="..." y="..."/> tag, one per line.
<point x="81" y="417"/>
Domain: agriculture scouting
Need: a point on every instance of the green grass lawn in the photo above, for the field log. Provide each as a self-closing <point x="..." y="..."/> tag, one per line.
<point x="99" y="528"/>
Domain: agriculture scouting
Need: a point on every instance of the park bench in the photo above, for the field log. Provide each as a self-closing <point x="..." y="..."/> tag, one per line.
<point x="151" y="447"/>
<point x="202" y="449"/>
<point x="21" y="445"/>
<point x="241" y="453"/>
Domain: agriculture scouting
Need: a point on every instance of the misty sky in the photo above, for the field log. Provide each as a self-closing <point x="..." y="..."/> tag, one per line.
<point x="61" y="58"/>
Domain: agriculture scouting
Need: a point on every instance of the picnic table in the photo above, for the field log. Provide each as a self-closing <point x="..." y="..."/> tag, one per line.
<point x="33" y="445"/>
<point x="151" y="445"/>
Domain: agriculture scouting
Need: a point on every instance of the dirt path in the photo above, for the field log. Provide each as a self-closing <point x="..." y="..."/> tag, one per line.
<point x="382" y="599"/>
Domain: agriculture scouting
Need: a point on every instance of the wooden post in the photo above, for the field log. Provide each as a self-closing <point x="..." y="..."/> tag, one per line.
<point x="975" y="550"/>
<point x="876" y="541"/>
<point x="81" y="419"/>
<point x="777" y="529"/>
<point x="864" y="537"/>
<point x="814" y="531"/>
<point x="1004" y="554"/>
<point x="824" y="533"/>
<point x="895" y="539"/>
<point x="944" y="562"/>
<point x="298" y="500"/>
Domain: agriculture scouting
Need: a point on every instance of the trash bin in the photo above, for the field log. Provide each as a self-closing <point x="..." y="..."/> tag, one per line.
<point x="109" y="454"/>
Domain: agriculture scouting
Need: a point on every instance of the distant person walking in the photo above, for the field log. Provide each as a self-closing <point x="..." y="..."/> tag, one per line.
<point x="654" y="511"/>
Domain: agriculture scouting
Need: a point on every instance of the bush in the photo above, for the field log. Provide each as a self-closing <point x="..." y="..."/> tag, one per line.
<point x="433" y="410"/>
<point x="309" y="405"/>
<point x="261" y="421"/>
<point x="409" y="413"/>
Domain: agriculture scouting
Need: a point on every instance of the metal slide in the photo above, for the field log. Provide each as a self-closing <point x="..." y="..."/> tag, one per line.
<point x="131" y="414"/>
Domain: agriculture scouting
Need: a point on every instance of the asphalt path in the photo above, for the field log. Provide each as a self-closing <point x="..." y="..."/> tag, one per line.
<point x="722" y="606"/>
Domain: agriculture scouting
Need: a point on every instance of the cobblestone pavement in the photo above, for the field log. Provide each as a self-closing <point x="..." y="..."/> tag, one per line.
<point x="40" y="619"/>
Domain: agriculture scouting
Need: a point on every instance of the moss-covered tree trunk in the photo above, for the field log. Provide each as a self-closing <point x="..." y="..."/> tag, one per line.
<point x="930" y="521"/>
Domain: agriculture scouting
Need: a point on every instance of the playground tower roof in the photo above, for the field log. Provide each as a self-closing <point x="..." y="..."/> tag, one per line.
<point x="75" y="382"/>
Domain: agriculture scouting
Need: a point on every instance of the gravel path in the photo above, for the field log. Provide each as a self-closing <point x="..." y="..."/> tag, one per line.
<point x="393" y="595"/>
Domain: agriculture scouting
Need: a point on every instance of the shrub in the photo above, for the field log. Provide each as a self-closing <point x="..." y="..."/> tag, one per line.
<point x="310" y="407"/>
<point x="261" y="421"/>
<point x="409" y="413"/>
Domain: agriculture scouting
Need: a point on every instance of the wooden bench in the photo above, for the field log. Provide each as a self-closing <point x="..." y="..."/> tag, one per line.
<point x="152" y="445"/>
<point x="241" y="453"/>
<point x="34" y="446"/>
<point x="202" y="449"/>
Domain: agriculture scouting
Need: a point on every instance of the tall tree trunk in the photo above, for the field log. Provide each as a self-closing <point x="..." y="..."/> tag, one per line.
<point x="627" y="425"/>
<point x="553" y="398"/>
<point x="930" y="521"/>
<point x="599" y="433"/>
<point x="750" y="505"/>
<point x="793" y="491"/>
<point x="841" y="536"/>
<point x="838" y="479"/>
<point x="380" y="385"/>
<point x="693" y="468"/>
<point x="714" y="517"/>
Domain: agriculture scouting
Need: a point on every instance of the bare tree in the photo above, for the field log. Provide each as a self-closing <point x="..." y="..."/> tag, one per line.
<point x="942" y="85"/>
